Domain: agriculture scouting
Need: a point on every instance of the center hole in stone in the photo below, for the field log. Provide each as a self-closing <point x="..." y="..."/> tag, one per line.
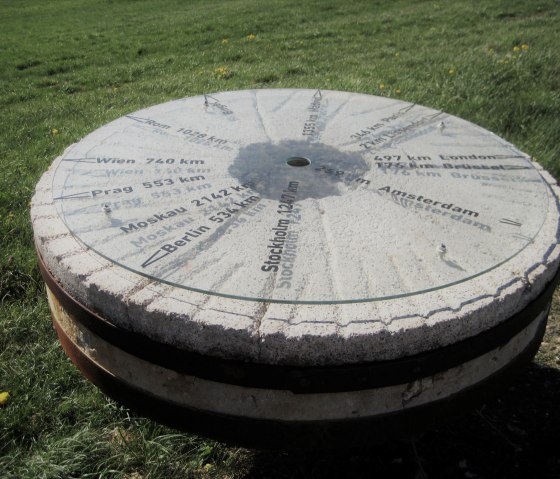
<point x="298" y="161"/>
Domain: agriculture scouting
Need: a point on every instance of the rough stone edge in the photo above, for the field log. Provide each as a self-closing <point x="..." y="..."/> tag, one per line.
<point x="292" y="334"/>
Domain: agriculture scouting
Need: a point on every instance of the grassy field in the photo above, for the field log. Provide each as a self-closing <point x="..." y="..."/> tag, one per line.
<point x="69" y="66"/>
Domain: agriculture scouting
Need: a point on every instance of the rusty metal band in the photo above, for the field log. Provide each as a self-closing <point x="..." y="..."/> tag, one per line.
<point x="323" y="434"/>
<point x="312" y="379"/>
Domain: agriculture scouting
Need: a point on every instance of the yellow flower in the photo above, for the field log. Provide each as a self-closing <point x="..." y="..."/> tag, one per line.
<point x="397" y="54"/>
<point x="524" y="47"/>
<point x="223" y="72"/>
<point x="397" y="91"/>
<point x="451" y="71"/>
<point x="54" y="132"/>
<point x="224" y="41"/>
<point x="4" y="396"/>
<point x="251" y="37"/>
<point x="516" y="49"/>
<point x="382" y="86"/>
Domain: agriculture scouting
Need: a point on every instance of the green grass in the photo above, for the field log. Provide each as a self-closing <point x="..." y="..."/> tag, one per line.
<point x="69" y="66"/>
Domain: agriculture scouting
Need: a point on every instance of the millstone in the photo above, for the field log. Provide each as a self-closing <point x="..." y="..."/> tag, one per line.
<point x="297" y="268"/>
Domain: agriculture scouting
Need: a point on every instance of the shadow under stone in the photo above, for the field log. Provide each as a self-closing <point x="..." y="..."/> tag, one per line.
<point x="513" y="434"/>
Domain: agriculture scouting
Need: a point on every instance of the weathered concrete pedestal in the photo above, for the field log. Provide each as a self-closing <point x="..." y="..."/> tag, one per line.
<point x="297" y="268"/>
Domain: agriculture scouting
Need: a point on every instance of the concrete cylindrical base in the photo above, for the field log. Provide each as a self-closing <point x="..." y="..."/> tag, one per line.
<point x="383" y="406"/>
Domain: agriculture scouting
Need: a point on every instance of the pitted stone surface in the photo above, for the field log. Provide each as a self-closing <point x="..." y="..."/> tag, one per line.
<point x="398" y="228"/>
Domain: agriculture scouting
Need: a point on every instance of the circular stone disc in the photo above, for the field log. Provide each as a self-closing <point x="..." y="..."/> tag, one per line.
<point x="298" y="226"/>
<point x="300" y="196"/>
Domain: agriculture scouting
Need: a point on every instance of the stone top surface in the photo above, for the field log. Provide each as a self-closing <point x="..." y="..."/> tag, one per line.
<point x="289" y="217"/>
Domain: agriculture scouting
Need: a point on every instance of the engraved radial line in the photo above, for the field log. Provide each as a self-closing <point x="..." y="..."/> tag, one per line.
<point x="332" y="261"/>
<point x="367" y="113"/>
<point x="338" y="109"/>
<point x="145" y="128"/>
<point x="81" y="160"/>
<point x="85" y="194"/>
<point x="397" y="273"/>
<point x="227" y="274"/>
<point x="408" y="135"/>
<point x="259" y="116"/>
<point x="284" y="102"/>
<point x="330" y="118"/>
<point x="208" y="264"/>
<point x="88" y="209"/>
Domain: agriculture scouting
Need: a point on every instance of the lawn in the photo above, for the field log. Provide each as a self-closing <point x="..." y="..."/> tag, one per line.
<point x="70" y="66"/>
